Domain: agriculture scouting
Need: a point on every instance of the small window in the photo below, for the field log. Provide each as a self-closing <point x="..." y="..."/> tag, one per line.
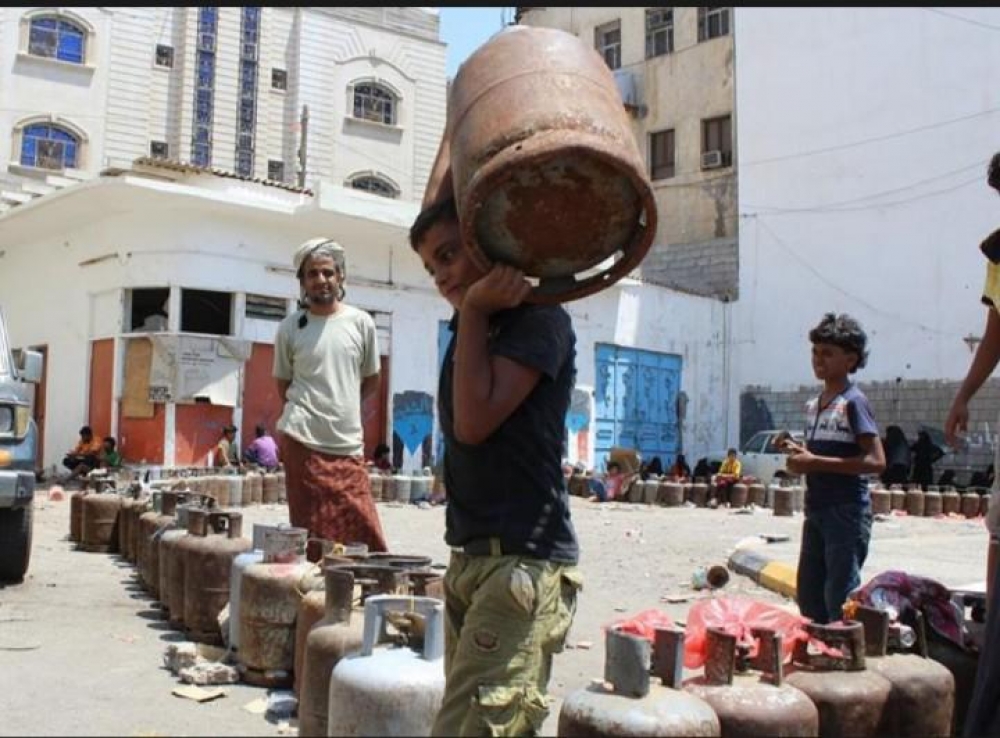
<point x="148" y="308"/>
<point x="47" y="146"/>
<point x="713" y="21"/>
<point x="159" y="149"/>
<point x="375" y="185"/>
<point x="263" y="307"/>
<point x="756" y="444"/>
<point x="279" y="79"/>
<point x="661" y="154"/>
<point x="659" y="31"/>
<point x="276" y="170"/>
<point x="56" y="38"/>
<point x="164" y="55"/>
<point x="608" y="42"/>
<point x="716" y="136"/>
<point x="375" y="103"/>
<point x="206" y="311"/>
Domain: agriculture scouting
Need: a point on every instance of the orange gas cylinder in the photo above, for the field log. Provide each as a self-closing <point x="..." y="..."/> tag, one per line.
<point x="98" y="522"/>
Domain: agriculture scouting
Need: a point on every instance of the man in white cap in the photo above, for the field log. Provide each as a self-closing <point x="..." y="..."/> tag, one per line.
<point x="326" y="360"/>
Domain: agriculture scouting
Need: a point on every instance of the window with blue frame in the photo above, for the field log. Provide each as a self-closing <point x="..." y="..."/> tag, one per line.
<point x="247" y="111"/>
<point x="204" y="94"/>
<point x="47" y="146"/>
<point x="57" y="38"/>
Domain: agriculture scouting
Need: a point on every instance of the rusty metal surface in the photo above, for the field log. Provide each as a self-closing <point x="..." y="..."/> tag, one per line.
<point x="922" y="699"/>
<point x="75" y="513"/>
<point x="171" y="569"/>
<point x="850" y="703"/>
<point x="784" y="501"/>
<point x="312" y="607"/>
<point x="207" y="563"/>
<point x="269" y="602"/>
<point x="595" y="712"/>
<point x="98" y="518"/>
<point x="881" y="501"/>
<point x="545" y="168"/>
<point x="751" y="707"/>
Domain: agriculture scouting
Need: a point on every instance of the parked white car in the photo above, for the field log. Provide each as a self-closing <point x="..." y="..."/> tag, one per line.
<point x="762" y="459"/>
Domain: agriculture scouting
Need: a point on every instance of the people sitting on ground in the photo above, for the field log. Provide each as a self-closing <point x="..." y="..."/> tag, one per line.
<point x="702" y="471"/>
<point x="925" y="454"/>
<point x="381" y="459"/>
<point x="264" y="450"/>
<point x="85" y="456"/>
<point x="982" y="479"/>
<point x="226" y="454"/>
<point x="680" y="471"/>
<point x="653" y="468"/>
<point x="610" y="487"/>
<point x="729" y="474"/>
<point x="109" y="457"/>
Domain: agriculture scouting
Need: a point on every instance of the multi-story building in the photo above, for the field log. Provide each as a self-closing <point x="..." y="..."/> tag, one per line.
<point x="294" y="95"/>
<point x="674" y="67"/>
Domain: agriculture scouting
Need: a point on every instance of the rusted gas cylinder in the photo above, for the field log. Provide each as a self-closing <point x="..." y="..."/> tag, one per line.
<point x="670" y="494"/>
<point x="688" y="491"/>
<point x="933" y="504"/>
<point x="279" y="480"/>
<point x="219" y="489"/>
<point x="173" y="544"/>
<point x="269" y="600"/>
<point x="849" y="697"/>
<point x="269" y="493"/>
<point x="75" y="515"/>
<point x="375" y="482"/>
<point x="536" y="127"/>
<point x="647" y="491"/>
<point x="579" y="484"/>
<point x="750" y="696"/>
<point x="254" y="556"/>
<point x="98" y="522"/>
<point x="757" y="494"/>
<point x="151" y="523"/>
<point x="255" y="482"/>
<point x="399" y="561"/>
<point x="915" y="502"/>
<point x="968" y="504"/>
<point x="143" y="505"/>
<point x="784" y="501"/>
<point x="922" y="699"/>
<point x="881" y="501"/>
<point x="420" y="486"/>
<point x="628" y="703"/>
<point x="984" y="504"/>
<point x="739" y="494"/>
<point x="898" y="497"/>
<point x="213" y="542"/>
<point x="133" y="504"/>
<point x="403" y="484"/>
<point x="799" y="498"/>
<point x="335" y="634"/>
<point x="234" y="483"/>
<point x="699" y="494"/>
<point x="951" y="501"/>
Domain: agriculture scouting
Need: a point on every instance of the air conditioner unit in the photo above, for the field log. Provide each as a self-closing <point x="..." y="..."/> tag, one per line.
<point x="711" y="159"/>
<point x="627" y="87"/>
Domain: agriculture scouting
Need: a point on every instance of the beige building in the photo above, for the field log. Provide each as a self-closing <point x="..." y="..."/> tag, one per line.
<point x="674" y="67"/>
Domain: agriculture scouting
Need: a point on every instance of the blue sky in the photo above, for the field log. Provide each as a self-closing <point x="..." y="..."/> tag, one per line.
<point x="466" y="29"/>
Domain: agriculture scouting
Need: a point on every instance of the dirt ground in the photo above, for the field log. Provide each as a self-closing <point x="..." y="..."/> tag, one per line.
<point x="81" y="644"/>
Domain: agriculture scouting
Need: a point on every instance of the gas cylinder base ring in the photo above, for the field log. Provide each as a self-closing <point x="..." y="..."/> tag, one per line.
<point x="271" y="679"/>
<point x="93" y="548"/>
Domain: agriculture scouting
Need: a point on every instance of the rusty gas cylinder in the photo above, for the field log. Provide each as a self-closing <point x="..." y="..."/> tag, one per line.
<point x="647" y="491"/>
<point x="577" y="485"/>
<point x="922" y="699"/>
<point x="670" y="494"/>
<point x="784" y="501"/>
<point x="699" y="494"/>
<point x="750" y="696"/>
<point x="688" y="491"/>
<point x="984" y="504"/>
<point x="161" y="513"/>
<point x="173" y="559"/>
<point x="951" y="501"/>
<point x="915" y="502"/>
<point x="375" y="483"/>
<point x="969" y="504"/>
<point x="881" y="501"/>
<point x="255" y="482"/>
<point x="933" y="504"/>
<point x="800" y="497"/>
<point x="849" y="697"/>
<point x="220" y="490"/>
<point x="738" y="495"/>
<point x="234" y="484"/>
<point x="133" y="504"/>
<point x="757" y="494"/>
<point x="75" y="513"/>
<point x="269" y="600"/>
<point x="399" y="561"/>
<point x="269" y="494"/>
<point x="898" y="497"/>
<point x="213" y="542"/>
<point x="279" y="477"/>
<point x="335" y="635"/>
<point x="141" y="506"/>
<point x="98" y="521"/>
<point x="628" y="703"/>
<point x="543" y="164"/>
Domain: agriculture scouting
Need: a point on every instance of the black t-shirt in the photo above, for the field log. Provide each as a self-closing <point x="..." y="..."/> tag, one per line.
<point x="511" y="485"/>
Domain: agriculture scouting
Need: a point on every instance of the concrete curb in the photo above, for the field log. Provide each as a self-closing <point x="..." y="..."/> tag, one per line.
<point x="776" y="576"/>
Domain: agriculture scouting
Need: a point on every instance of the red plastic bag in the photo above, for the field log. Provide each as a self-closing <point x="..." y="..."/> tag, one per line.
<point x="737" y="616"/>
<point x="644" y="624"/>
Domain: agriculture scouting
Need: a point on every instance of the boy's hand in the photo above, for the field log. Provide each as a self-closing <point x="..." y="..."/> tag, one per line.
<point x="957" y="422"/>
<point x="503" y="287"/>
<point x="799" y="460"/>
<point x="790" y="447"/>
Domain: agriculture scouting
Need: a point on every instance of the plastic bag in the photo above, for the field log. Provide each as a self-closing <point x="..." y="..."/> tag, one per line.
<point x="644" y="624"/>
<point x="738" y="616"/>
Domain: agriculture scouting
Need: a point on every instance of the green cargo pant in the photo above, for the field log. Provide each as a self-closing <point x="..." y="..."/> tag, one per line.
<point x="505" y="616"/>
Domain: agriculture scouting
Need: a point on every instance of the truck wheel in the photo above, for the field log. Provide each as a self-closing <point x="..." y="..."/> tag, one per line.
<point x="15" y="543"/>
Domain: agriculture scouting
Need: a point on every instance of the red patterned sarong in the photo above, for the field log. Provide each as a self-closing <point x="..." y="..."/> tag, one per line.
<point x="331" y="497"/>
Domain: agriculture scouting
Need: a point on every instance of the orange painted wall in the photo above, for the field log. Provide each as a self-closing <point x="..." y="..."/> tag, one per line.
<point x="141" y="439"/>
<point x="261" y="403"/>
<point x="199" y="427"/>
<point x="102" y="365"/>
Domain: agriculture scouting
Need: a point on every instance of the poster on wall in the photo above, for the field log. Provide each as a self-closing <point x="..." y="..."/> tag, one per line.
<point x="188" y="368"/>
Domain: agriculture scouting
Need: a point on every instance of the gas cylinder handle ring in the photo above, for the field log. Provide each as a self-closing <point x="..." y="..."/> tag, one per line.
<point x="376" y="608"/>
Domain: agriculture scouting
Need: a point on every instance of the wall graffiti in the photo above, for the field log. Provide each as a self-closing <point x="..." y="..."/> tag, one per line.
<point x="412" y="427"/>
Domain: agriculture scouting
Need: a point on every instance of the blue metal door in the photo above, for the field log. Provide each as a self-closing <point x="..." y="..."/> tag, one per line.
<point x="635" y="402"/>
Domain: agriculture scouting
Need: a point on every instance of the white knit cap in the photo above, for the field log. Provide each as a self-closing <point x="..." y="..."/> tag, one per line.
<point x="320" y="245"/>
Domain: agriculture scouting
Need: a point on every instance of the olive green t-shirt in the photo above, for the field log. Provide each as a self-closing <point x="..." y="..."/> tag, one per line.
<point x="325" y="361"/>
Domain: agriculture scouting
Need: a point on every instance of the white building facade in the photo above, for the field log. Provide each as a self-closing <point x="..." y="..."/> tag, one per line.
<point x="864" y="138"/>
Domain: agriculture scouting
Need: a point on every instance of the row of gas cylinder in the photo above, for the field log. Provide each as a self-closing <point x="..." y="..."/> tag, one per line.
<point x="783" y="499"/>
<point x="746" y="689"/>
<point x="291" y="622"/>
<point x="929" y="504"/>
<point x="404" y="487"/>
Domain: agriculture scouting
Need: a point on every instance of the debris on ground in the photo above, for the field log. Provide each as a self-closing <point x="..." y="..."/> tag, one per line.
<point x="281" y="704"/>
<point x="257" y="706"/>
<point x="209" y="672"/>
<point x="192" y="692"/>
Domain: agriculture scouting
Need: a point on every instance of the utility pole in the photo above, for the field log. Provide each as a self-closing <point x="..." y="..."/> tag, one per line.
<point x="303" y="140"/>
